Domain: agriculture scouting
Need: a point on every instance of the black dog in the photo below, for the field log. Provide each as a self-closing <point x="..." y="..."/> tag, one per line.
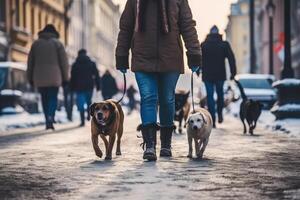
<point x="249" y="110"/>
<point x="182" y="107"/>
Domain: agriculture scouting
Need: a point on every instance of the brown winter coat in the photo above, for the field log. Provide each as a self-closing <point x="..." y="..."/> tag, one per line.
<point x="155" y="49"/>
<point x="47" y="62"/>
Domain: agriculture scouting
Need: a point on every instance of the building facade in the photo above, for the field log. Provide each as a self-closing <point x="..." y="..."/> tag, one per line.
<point x="20" y="22"/>
<point x="237" y="33"/>
<point x="94" y="26"/>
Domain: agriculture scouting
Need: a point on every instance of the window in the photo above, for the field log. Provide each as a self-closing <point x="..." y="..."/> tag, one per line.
<point x="17" y="13"/>
<point x="24" y="14"/>
<point x="32" y="22"/>
<point x="2" y="13"/>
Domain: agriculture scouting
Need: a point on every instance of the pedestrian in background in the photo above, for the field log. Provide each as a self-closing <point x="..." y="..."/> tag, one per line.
<point x="131" y="91"/>
<point x="109" y="86"/>
<point x="153" y="30"/>
<point x="214" y="53"/>
<point x="48" y="69"/>
<point x="84" y="77"/>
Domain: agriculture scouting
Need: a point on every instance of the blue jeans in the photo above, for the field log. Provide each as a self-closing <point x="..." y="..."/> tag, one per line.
<point x="49" y="101"/>
<point x="82" y="98"/>
<point x="210" y="90"/>
<point x="157" y="88"/>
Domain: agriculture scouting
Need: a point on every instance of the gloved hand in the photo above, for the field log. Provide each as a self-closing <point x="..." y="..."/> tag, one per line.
<point x="123" y="70"/>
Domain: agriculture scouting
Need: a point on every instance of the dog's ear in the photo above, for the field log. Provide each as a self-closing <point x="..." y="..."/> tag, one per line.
<point x="111" y="107"/>
<point x="92" y="109"/>
<point x="204" y="119"/>
<point x="187" y="94"/>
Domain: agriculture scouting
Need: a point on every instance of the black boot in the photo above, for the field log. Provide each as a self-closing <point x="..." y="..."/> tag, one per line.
<point x="49" y="123"/>
<point x="149" y="135"/>
<point x="166" y="139"/>
<point x="82" y="118"/>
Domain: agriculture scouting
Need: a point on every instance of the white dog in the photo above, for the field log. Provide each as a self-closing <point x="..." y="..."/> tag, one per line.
<point x="199" y="126"/>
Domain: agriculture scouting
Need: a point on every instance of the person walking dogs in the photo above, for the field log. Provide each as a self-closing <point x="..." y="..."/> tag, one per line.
<point x="152" y="29"/>
<point x="84" y="77"/>
<point x="48" y="69"/>
<point x="214" y="53"/>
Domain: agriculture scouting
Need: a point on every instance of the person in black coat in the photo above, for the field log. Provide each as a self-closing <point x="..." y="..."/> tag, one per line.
<point x="84" y="77"/>
<point x="214" y="53"/>
<point x="109" y="86"/>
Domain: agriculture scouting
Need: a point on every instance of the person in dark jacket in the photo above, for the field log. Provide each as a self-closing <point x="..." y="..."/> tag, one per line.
<point x="131" y="91"/>
<point x="214" y="53"/>
<point x="109" y="86"/>
<point x="84" y="77"/>
<point x="153" y="31"/>
<point x="48" y="69"/>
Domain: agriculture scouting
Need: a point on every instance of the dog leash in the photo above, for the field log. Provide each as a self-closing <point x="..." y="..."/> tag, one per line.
<point x="124" y="88"/>
<point x="192" y="91"/>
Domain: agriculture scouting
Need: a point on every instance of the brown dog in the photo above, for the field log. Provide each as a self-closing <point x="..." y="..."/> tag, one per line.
<point x="182" y="107"/>
<point x="107" y="120"/>
<point x="199" y="126"/>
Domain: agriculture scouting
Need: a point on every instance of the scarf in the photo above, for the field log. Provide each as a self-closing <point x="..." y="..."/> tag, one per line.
<point x="141" y="14"/>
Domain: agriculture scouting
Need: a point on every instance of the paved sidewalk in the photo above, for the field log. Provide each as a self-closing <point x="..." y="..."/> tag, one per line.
<point x="37" y="164"/>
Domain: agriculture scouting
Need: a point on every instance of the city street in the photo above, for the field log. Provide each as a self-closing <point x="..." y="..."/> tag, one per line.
<point x="38" y="164"/>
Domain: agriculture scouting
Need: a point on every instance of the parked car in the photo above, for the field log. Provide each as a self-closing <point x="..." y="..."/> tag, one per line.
<point x="259" y="87"/>
<point x="15" y="91"/>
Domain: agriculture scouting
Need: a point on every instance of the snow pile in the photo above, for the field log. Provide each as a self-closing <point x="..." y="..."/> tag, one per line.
<point x="26" y="120"/>
<point x="287" y="82"/>
<point x="286" y="108"/>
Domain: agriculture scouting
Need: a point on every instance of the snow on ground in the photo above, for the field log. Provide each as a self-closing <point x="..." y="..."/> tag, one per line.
<point x="26" y="120"/>
<point x="291" y="127"/>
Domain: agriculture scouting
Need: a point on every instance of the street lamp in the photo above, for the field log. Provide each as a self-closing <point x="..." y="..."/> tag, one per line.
<point x="270" y="7"/>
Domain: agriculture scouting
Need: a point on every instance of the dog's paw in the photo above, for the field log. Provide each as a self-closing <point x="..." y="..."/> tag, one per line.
<point x="99" y="154"/>
<point x="199" y="156"/>
<point x="189" y="156"/>
<point x="108" y="158"/>
<point x="118" y="153"/>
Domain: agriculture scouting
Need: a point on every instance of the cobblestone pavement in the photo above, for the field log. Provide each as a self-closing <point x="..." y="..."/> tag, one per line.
<point x="35" y="164"/>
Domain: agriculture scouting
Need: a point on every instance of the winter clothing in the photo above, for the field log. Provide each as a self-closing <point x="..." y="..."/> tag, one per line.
<point x="166" y="139"/>
<point x="210" y="89"/>
<point x="47" y="62"/>
<point x="153" y="30"/>
<point x="109" y="84"/>
<point x="157" y="88"/>
<point x="149" y="133"/>
<point x="49" y="104"/>
<point x="214" y="30"/>
<point x="214" y="53"/>
<point x="84" y="74"/>
<point x="84" y="77"/>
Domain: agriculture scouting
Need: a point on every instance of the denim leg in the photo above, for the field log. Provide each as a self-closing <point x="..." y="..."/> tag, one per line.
<point x="43" y="93"/>
<point x="210" y="99"/>
<point x="80" y="101"/>
<point x="166" y="92"/>
<point x="147" y="83"/>
<point x="88" y="97"/>
<point x="52" y="103"/>
<point x="220" y="95"/>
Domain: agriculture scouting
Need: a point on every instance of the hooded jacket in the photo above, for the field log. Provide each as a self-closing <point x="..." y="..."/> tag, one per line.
<point x="84" y="74"/>
<point x="47" y="64"/>
<point x="154" y="36"/>
<point x="214" y="53"/>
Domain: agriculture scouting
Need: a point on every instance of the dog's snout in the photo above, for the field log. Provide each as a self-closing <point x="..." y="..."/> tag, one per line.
<point x="195" y="127"/>
<point x="100" y="115"/>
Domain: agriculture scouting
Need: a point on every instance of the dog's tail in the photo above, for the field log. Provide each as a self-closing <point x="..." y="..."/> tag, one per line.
<point x="243" y="94"/>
